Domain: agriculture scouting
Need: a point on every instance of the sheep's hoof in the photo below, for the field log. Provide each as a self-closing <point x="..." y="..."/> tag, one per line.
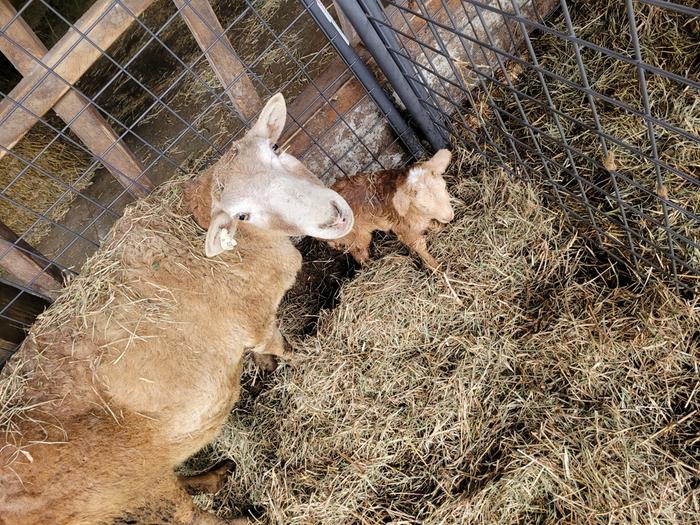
<point x="209" y="482"/>
<point x="224" y="469"/>
<point x="361" y="257"/>
<point x="265" y="362"/>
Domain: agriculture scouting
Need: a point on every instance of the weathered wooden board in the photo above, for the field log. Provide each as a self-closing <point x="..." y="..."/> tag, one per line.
<point x="19" y="44"/>
<point x="68" y="60"/>
<point x="207" y="30"/>
<point x="24" y="264"/>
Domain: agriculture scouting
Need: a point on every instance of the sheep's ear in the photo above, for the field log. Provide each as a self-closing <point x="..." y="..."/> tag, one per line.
<point x="401" y="201"/>
<point x="272" y="118"/>
<point x="439" y="162"/>
<point x="220" y="234"/>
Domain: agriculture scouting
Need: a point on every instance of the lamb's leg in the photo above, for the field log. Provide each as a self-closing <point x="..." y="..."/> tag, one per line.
<point x="276" y="346"/>
<point x="417" y="244"/>
<point x="208" y="482"/>
<point x="360" y="246"/>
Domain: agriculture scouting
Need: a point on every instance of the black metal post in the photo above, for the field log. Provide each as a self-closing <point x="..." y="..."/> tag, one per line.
<point x="382" y="25"/>
<point x="365" y="76"/>
<point x="391" y="70"/>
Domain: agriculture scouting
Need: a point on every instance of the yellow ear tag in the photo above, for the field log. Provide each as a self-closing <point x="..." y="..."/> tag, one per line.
<point x="227" y="242"/>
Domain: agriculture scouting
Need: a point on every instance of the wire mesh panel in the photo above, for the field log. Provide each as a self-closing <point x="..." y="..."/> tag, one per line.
<point x="101" y="101"/>
<point x="599" y="99"/>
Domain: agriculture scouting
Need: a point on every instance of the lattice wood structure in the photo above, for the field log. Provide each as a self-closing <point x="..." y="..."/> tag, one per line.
<point x="48" y="83"/>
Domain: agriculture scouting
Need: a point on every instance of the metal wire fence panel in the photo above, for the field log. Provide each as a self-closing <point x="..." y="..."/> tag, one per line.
<point x="598" y="99"/>
<point x="103" y="100"/>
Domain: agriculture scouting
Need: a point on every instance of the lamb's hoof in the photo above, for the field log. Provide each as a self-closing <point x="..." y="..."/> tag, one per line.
<point x="431" y="264"/>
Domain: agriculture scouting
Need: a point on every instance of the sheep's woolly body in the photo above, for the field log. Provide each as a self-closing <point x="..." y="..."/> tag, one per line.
<point x="137" y="364"/>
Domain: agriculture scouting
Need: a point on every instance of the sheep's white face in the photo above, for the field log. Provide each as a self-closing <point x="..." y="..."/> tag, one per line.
<point x="272" y="190"/>
<point x="428" y="188"/>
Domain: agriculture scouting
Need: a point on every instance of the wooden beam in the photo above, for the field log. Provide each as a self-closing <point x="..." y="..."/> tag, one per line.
<point x="27" y="266"/>
<point x="207" y="30"/>
<point x="17" y="318"/>
<point x="69" y="59"/>
<point x="19" y="43"/>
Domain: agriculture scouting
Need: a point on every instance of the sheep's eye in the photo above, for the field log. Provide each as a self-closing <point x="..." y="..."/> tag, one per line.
<point x="275" y="147"/>
<point x="243" y="216"/>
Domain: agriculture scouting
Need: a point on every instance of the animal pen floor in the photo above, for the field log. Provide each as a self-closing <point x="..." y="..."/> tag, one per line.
<point x="528" y="381"/>
<point x="517" y="385"/>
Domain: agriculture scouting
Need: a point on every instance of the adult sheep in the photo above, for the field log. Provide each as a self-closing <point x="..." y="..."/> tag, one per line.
<point x="137" y="365"/>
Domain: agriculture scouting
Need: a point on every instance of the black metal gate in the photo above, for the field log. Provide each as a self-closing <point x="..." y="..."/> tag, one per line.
<point x="599" y="100"/>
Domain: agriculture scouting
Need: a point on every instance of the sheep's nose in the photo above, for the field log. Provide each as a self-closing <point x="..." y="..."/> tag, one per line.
<point x="338" y="219"/>
<point x="341" y="218"/>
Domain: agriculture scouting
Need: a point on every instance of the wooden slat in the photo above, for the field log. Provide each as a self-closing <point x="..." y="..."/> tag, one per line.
<point x="90" y="126"/>
<point x="25" y="265"/>
<point x="206" y="28"/>
<point x="17" y="317"/>
<point x="70" y="58"/>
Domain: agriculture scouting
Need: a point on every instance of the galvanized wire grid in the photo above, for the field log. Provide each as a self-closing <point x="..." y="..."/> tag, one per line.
<point x="155" y="152"/>
<point x="492" y="115"/>
<point x="589" y="188"/>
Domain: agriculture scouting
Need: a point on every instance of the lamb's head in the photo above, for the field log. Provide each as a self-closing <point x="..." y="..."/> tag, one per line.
<point x="425" y="189"/>
<point x="263" y="187"/>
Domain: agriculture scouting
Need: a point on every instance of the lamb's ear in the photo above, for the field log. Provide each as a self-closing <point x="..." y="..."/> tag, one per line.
<point x="220" y="234"/>
<point x="272" y="118"/>
<point x="439" y="162"/>
<point x="401" y="201"/>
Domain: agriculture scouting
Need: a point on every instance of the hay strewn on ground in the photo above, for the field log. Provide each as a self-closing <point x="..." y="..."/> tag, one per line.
<point x="34" y="189"/>
<point x="514" y="387"/>
<point x="669" y="40"/>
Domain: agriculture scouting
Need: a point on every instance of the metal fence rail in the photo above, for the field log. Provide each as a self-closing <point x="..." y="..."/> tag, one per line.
<point x="483" y="71"/>
<point x="102" y="100"/>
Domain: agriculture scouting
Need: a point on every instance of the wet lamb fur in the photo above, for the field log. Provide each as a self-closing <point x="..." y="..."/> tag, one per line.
<point x="406" y="201"/>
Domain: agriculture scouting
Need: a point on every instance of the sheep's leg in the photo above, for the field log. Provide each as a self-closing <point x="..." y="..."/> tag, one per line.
<point x="208" y="482"/>
<point x="265" y="355"/>
<point x="417" y="244"/>
<point x="185" y="512"/>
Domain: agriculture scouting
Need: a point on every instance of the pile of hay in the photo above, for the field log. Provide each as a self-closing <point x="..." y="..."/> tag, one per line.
<point x="512" y="387"/>
<point x="33" y="189"/>
<point x="669" y="40"/>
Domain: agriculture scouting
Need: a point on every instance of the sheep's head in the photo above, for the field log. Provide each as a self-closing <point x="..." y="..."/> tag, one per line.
<point x="425" y="189"/>
<point x="259" y="185"/>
